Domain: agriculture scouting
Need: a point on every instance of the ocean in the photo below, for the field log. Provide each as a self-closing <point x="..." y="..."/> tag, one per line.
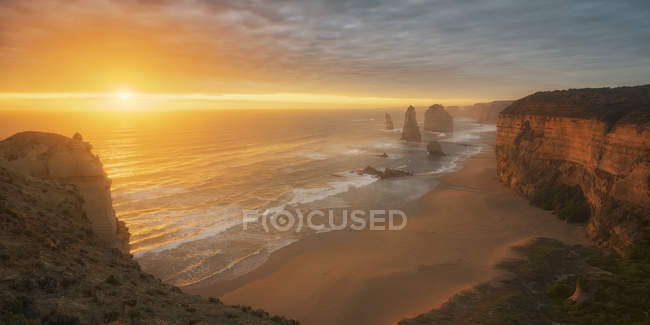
<point x="182" y="179"/>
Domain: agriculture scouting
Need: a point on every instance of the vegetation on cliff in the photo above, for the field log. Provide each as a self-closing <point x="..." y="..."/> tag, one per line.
<point x="612" y="105"/>
<point x="55" y="270"/>
<point x="540" y="288"/>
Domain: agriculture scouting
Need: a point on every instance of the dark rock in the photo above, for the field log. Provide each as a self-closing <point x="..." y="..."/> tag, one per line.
<point x="411" y="131"/>
<point x="434" y="150"/>
<point x="369" y="170"/>
<point x="383" y="155"/>
<point x="387" y="173"/>
<point x="389" y="122"/>
<point x="437" y="119"/>
<point x="77" y="136"/>
<point x="390" y="173"/>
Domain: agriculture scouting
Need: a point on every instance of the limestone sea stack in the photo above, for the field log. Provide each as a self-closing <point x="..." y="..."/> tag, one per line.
<point x="389" y="122"/>
<point x="434" y="150"/>
<point x="68" y="161"/>
<point x="591" y="145"/>
<point x="410" y="131"/>
<point x="437" y="119"/>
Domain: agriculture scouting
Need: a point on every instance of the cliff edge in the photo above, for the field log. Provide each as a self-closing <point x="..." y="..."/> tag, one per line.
<point x="69" y="161"/>
<point x="56" y="269"/>
<point x="584" y="153"/>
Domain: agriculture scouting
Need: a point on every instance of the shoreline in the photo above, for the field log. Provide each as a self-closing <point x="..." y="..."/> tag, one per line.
<point x="367" y="277"/>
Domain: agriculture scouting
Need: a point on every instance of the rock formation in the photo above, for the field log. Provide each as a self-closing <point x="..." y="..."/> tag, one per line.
<point x="437" y="119"/>
<point x="486" y="113"/>
<point x="387" y="173"/>
<point x="389" y="122"/>
<point x="411" y="130"/>
<point x="434" y="150"/>
<point x="68" y="161"/>
<point x="593" y="141"/>
<point x="56" y="270"/>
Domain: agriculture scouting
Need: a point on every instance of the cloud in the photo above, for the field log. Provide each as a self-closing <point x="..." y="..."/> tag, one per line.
<point x="501" y="48"/>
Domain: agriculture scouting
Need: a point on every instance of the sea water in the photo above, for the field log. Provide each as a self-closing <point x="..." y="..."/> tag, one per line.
<point x="181" y="180"/>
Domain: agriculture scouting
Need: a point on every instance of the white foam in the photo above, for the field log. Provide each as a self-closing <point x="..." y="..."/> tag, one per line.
<point x="396" y="130"/>
<point x="313" y="155"/>
<point x="196" y="224"/>
<point x="352" y="180"/>
<point x="383" y="145"/>
<point x="453" y="164"/>
<point x="353" y="152"/>
<point x="471" y="134"/>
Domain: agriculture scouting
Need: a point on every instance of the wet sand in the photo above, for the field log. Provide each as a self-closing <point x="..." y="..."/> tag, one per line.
<point x="452" y="242"/>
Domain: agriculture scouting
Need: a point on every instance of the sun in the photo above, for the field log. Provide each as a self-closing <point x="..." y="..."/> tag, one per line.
<point x="123" y="95"/>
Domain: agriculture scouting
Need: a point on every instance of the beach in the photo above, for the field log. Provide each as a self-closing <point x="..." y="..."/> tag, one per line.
<point x="455" y="235"/>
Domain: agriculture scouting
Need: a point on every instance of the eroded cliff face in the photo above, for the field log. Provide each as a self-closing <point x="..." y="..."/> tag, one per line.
<point x="437" y="119"/>
<point x="487" y="113"/>
<point x="597" y="139"/>
<point x="68" y="161"/>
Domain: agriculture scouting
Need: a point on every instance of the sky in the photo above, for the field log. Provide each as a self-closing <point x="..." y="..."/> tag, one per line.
<point x="344" y="53"/>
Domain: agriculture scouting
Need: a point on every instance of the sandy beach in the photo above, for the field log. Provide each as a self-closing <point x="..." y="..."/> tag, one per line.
<point x="452" y="241"/>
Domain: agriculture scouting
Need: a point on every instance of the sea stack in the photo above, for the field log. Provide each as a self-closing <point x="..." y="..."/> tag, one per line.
<point x="437" y="119"/>
<point x="410" y="131"/>
<point x="434" y="150"/>
<point x="389" y="122"/>
<point x="68" y="161"/>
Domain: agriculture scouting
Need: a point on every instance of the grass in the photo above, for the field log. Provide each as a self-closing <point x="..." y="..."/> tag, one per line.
<point x="616" y="288"/>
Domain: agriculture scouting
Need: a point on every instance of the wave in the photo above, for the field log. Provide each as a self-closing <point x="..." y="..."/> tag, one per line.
<point x="313" y="156"/>
<point x="453" y="164"/>
<point x="471" y="134"/>
<point x="195" y="224"/>
<point x="309" y="195"/>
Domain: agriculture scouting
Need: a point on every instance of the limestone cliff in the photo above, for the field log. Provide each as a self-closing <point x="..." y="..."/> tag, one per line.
<point x="54" y="267"/>
<point x="486" y="113"/>
<point x="69" y="161"/>
<point x="411" y="130"/>
<point x="389" y="122"/>
<point x="594" y="140"/>
<point x="437" y="119"/>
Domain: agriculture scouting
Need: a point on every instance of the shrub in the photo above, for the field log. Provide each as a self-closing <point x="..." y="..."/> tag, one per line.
<point x="113" y="280"/>
<point x="568" y="202"/>
<point x="558" y="290"/>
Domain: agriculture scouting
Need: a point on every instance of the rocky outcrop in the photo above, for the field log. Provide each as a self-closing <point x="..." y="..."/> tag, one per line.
<point x="437" y="119"/>
<point x="55" y="268"/>
<point x="434" y="150"/>
<point x="386" y="173"/>
<point x="68" y="161"/>
<point x="389" y="122"/>
<point x="411" y="130"/>
<point x="595" y="140"/>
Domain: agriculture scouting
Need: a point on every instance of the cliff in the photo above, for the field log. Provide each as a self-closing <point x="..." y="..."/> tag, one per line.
<point x="486" y="113"/>
<point x="69" y="161"/>
<point x="54" y="267"/>
<point x="564" y="149"/>
<point x="437" y="119"/>
<point x="389" y="122"/>
<point x="411" y="130"/>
